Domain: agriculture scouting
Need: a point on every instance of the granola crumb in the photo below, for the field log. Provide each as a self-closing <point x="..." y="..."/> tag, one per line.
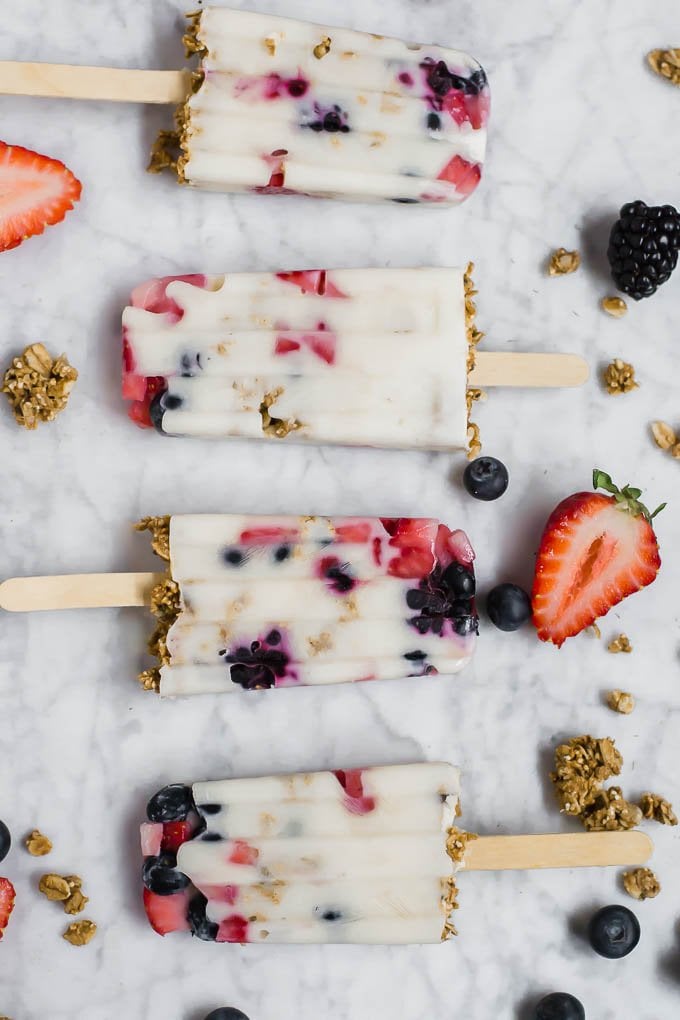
<point x="641" y="884"/>
<point x="79" y="933"/>
<point x="563" y="262"/>
<point x="620" y="644"/>
<point x="581" y="766"/>
<point x="608" y="810"/>
<point x="657" y="809"/>
<point x="666" y="63"/>
<point x="449" y="904"/>
<point x="37" y="844"/>
<point x="322" y="48"/>
<point x="76" y="902"/>
<point x="38" y="386"/>
<point x="54" y="887"/>
<point x="620" y="701"/>
<point x="456" y="843"/>
<point x="614" y="306"/>
<point x="619" y="377"/>
<point x="666" y="438"/>
<point x="160" y="534"/>
<point x="270" y="45"/>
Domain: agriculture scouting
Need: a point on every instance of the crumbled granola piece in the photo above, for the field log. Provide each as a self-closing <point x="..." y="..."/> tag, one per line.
<point x="270" y="44"/>
<point x="38" y="386"/>
<point x="664" y="435"/>
<point x="76" y="902"/>
<point x="160" y="534"/>
<point x="608" y="810"/>
<point x="619" y="377"/>
<point x="563" y="262"/>
<point x="620" y="701"/>
<point x="322" y="48"/>
<point x="150" y="679"/>
<point x="54" y="887"/>
<point x="37" y="844"/>
<point x="620" y="644"/>
<point x="641" y="884"/>
<point x="456" y="843"/>
<point x="581" y="766"/>
<point x="614" y="306"/>
<point x="449" y="904"/>
<point x="666" y="63"/>
<point x="657" y="809"/>
<point x="80" y="933"/>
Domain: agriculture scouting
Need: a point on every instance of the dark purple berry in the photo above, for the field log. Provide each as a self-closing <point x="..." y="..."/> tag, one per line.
<point x="643" y="248"/>
<point x="297" y="87"/>
<point x="157" y="410"/>
<point x="234" y="557"/>
<point x="416" y="656"/>
<point x="210" y="809"/>
<point x="171" y="804"/>
<point x="211" y="837"/>
<point x="434" y="122"/>
<point x="508" y="606"/>
<point x="614" y="932"/>
<point x="200" y="926"/>
<point x="282" y="553"/>
<point x="486" y="478"/>
<point x="5" y="841"/>
<point x="332" y="122"/>
<point x="160" y="875"/>
<point x="226" y="1013"/>
<point x="560" y="1006"/>
<point x="459" y="581"/>
<point x="190" y="365"/>
<point x="332" y="915"/>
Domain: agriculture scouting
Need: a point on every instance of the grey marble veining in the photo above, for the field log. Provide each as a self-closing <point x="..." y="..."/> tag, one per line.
<point x="578" y="127"/>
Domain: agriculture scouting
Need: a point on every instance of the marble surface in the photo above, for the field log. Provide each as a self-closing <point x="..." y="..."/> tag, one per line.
<point x="578" y="127"/>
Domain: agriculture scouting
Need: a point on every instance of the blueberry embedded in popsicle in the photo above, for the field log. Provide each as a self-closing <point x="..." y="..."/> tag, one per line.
<point x="160" y="875"/>
<point x="171" y="804"/>
<point x="458" y="580"/>
<point x="200" y="926"/>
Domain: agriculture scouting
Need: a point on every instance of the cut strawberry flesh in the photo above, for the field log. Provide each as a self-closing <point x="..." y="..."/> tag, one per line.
<point x="35" y="192"/>
<point x="174" y="834"/>
<point x="356" y="802"/>
<point x="7" y="897"/>
<point x="167" y="913"/>
<point x="233" y="929"/>
<point x="243" y="853"/>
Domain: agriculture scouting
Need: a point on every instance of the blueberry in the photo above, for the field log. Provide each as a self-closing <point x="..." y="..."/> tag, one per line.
<point x="273" y="637"/>
<point x="5" y="841"/>
<point x="211" y="837"/>
<point x="160" y="875"/>
<point x="614" y="932"/>
<point x="157" y="410"/>
<point x="171" y="401"/>
<point x="297" y="87"/>
<point x="342" y="582"/>
<point x="416" y="656"/>
<point x="508" y="606"/>
<point x="332" y="915"/>
<point x="332" y="122"/>
<point x="486" y="478"/>
<point x="171" y="804"/>
<point x="282" y="553"/>
<point x="459" y="581"/>
<point x="210" y="809"/>
<point x="234" y="557"/>
<point x="560" y="1006"/>
<point x="190" y="365"/>
<point x="439" y="78"/>
<point x="226" y="1013"/>
<point x="434" y="122"/>
<point x="200" y="926"/>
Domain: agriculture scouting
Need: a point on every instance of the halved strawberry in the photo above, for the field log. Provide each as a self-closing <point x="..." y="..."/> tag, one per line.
<point x="174" y="834"/>
<point x="595" y="551"/>
<point x="415" y="538"/>
<point x="167" y="913"/>
<point x="35" y="192"/>
<point x="464" y="175"/>
<point x="7" y="897"/>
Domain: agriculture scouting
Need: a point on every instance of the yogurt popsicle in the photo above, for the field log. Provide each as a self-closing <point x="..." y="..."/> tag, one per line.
<point x="362" y="357"/>
<point x="364" y="856"/>
<point x="284" y="106"/>
<point x="252" y="603"/>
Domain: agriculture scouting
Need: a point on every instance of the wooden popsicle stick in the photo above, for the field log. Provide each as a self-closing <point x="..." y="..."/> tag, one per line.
<point x="558" y="850"/>
<point x="493" y="368"/>
<point x="116" y="85"/>
<point x="76" y="591"/>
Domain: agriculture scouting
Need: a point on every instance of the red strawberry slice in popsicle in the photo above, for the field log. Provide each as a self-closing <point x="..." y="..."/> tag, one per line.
<point x="174" y="834"/>
<point x="313" y="281"/>
<point x="243" y="853"/>
<point x="595" y="551"/>
<point x="7" y="897"/>
<point x="35" y="192"/>
<point x="415" y="538"/>
<point x="464" y="175"/>
<point x="354" y="532"/>
<point x="167" y="913"/>
<point x="233" y="929"/>
<point x="268" y="535"/>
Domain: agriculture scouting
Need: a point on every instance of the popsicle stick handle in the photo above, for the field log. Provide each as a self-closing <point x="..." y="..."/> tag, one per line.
<point x="559" y="850"/>
<point x="76" y="591"/>
<point x="117" y="85"/>
<point x="494" y="368"/>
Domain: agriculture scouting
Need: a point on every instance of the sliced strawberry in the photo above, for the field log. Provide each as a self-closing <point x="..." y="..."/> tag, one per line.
<point x="35" y="192"/>
<point x="356" y="802"/>
<point x="233" y="929"/>
<point x="595" y="551"/>
<point x="151" y="837"/>
<point x="139" y="410"/>
<point x="313" y="281"/>
<point x="415" y="538"/>
<point x="167" y="913"/>
<point x="285" y="346"/>
<point x="268" y="535"/>
<point x="152" y="296"/>
<point x="354" y="532"/>
<point x="174" y="834"/>
<point x="220" y="893"/>
<point x="464" y="175"/>
<point x="243" y="853"/>
<point x="7" y="897"/>
<point x="453" y="545"/>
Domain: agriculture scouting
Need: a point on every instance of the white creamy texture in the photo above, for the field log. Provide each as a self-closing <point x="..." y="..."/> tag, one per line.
<point x="396" y="337"/>
<point x="240" y="115"/>
<point x="243" y="578"/>
<point x="378" y="876"/>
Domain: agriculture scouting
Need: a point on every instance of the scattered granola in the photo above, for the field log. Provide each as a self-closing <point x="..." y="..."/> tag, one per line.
<point x="65" y="889"/>
<point x="666" y="438"/>
<point x="160" y="534"/>
<point x="620" y="701"/>
<point x="38" y="386"/>
<point x="80" y="933"/>
<point x="619" y="377"/>
<point x="641" y="884"/>
<point x="620" y="644"/>
<point x="609" y="810"/>
<point x="666" y="63"/>
<point x="456" y="843"/>
<point x="563" y="262"/>
<point x="657" y="809"/>
<point x="581" y="766"/>
<point x="37" y="844"/>
<point x="76" y="902"/>
<point x="322" y="48"/>
<point x="614" y="306"/>
<point x="54" y="887"/>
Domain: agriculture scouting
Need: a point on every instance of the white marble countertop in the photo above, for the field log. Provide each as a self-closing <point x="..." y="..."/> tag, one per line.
<point x="578" y="128"/>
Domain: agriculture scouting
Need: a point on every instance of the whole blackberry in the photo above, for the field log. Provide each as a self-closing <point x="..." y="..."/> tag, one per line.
<point x="643" y="248"/>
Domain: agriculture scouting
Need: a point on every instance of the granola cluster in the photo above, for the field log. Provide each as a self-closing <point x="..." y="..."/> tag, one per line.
<point x="456" y="843"/>
<point x="657" y="809"/>
<point x="64" y="889"/>
<point x="641" y="884"/>
<point x="165" y="602"/>
<point x="37" y="844"/>
<point x="563" y="262"/>
<point x="666" y="63"/>
<point x="666" y="438"/>
<point x="38" y="386"/>
<point x="620" y="644"/>
<point x="79" y="933"/>
<point x="619" y="377"/>
<point x="620" y="701"/>
<point x="474" y="337"/>
<point x="160" y="534"/>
